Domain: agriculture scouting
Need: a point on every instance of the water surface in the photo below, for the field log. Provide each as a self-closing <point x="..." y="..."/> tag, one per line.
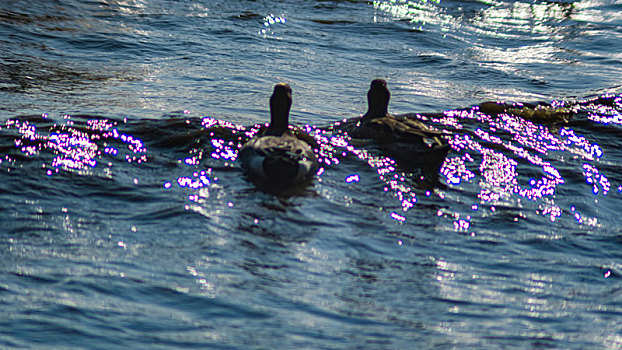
<point x="125" y="224"/>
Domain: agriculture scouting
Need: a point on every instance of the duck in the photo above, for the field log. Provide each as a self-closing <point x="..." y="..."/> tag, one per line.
<point x="279" y="155"/>
<point x="410" y="142"/>
<point x="541" y="112"/>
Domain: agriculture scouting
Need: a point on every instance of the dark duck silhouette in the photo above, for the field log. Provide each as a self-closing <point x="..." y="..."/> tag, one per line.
<point x="279" y="156"/>
<point x="410" y="142"/>
<point x="540" y="112"/>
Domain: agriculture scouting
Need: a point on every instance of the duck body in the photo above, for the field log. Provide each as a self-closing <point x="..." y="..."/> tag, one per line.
<point x="542" y="113"/>
<point x="278" y="159"/>
<point x="279" y="156"/>
<point x="408" y="141"/>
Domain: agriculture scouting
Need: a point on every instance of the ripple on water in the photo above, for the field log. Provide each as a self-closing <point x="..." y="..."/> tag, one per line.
<point x="505" y="159"/>
<point x="110" y="192"/>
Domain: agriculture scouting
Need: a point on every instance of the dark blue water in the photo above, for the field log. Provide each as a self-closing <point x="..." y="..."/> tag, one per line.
<point x="125" y="223"/>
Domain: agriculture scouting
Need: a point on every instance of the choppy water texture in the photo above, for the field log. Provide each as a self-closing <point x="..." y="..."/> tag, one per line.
<point x="126" y="222"/>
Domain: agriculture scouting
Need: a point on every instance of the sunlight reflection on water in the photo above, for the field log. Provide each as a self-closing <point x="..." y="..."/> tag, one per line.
<point x="503" y="157"/>
<point x="494" y="152"/>
<point x="76" y="148"/>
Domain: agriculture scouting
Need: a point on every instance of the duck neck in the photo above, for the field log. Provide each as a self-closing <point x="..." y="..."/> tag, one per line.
<point x="377" y="101"/>
<point x="279" y="115"/>
<point x="277" y="124"/>
<point x="374" y="111"/>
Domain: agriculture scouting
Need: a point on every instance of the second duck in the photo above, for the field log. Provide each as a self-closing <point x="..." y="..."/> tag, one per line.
<point x="408" y="141"/>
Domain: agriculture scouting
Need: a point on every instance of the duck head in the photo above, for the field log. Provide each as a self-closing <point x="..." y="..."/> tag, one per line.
<point x="280" y="103"/>
<point x="377" y="99"/>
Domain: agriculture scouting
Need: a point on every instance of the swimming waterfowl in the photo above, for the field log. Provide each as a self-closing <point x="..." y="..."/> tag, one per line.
<point x="279" y="155"/>
<point x="409" y="141"/>
<point x="542" y="113"/>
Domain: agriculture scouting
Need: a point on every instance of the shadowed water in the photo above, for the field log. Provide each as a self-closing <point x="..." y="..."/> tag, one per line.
<point x="126" y="221"/>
